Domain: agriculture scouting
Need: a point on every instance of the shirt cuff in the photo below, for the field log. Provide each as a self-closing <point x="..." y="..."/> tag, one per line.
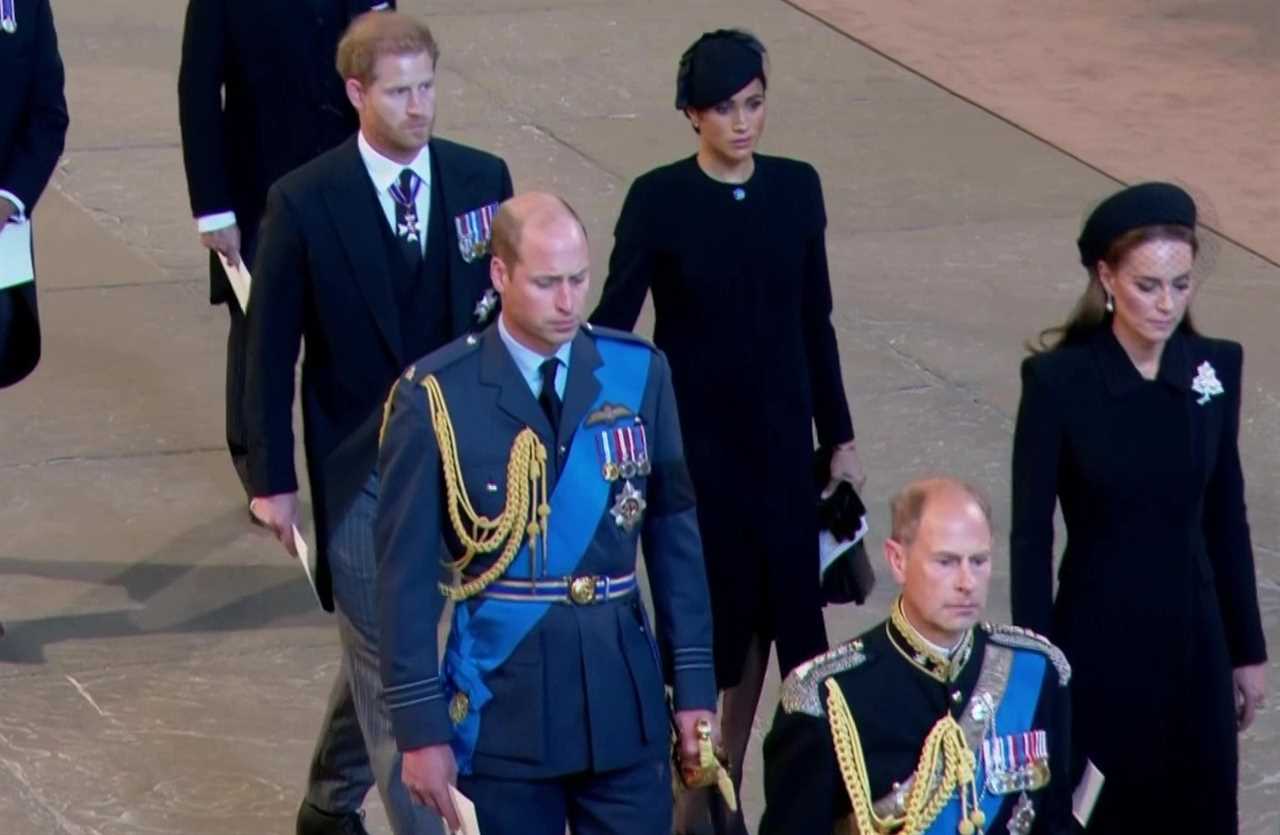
<point x="18" y="204"/>
<point x="213" y="222"/>
<point x="694" y="679"/>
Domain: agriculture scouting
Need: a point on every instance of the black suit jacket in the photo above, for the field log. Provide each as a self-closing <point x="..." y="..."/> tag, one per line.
<point x="258" y="95"/>
<point x="33" y="129"/>
<point x="323" y="276"/>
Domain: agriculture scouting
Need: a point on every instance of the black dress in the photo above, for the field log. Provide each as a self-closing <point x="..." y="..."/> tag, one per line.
<point x="743" y="303"/>
<point x="1157" y="599"/>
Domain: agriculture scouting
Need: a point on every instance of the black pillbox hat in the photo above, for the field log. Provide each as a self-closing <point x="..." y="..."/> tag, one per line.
<point x="716" y="66"/>
<point x="1148" y="204"/>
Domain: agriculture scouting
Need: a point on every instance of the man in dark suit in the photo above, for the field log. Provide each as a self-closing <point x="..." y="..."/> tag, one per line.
<point x="372" y="254"/>
<point x="540" y="454"/>
<point x="257" y="97"/>
<point x="33" y="129"/>
<point x="931" y="722"/>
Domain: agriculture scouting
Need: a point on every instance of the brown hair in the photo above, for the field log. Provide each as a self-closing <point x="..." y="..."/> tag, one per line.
<point x="508" y="227"/>
<point x="374" y="35"/>
<point x="906" y="508"/>
<point x="1090" y="312"/>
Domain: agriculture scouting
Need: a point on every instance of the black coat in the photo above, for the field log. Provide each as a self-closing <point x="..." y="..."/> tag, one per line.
<point x="742" y="299"/>
<point x="323" y="276"/>
<point x="1156" y="592"/>
<point x="258" y="95"/>
<point x="33" y="130"/>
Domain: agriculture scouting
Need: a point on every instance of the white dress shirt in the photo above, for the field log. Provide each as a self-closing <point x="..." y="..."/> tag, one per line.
<point x="385" y="172"/>
<point x="529" y="363"/>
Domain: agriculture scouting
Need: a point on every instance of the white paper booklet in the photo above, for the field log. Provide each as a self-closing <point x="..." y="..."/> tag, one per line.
<point x="15" y="254"/>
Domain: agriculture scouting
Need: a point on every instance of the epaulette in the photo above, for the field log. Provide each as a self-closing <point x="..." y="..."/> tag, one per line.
<point x="443" y="357"/>
<point x="1020" y="638"/>
<point x="600" y="332"/>
<point x="800" y="687"/>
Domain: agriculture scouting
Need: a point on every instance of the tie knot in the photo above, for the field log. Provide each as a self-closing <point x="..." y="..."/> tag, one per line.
<point x="548" y="370"/>
<point x="405" y="189"/>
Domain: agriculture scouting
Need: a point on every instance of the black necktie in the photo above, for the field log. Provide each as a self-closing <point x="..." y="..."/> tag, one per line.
<point x="404" y="193"/>
<point x="549" y="400"/>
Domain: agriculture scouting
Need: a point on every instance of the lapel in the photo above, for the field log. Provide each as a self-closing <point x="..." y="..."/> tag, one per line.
<point x="498" y="370"/>
<point x="582" y="387"/>
<point x="356" y="212"/>
<point x="456" y="197"/>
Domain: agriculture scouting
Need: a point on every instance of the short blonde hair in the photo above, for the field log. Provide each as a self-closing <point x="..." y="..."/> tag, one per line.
<point x="374" y="35"/>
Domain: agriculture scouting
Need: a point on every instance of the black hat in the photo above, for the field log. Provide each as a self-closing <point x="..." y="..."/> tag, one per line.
<point x="719" y="64"/>
<point x="1148" y="204"/>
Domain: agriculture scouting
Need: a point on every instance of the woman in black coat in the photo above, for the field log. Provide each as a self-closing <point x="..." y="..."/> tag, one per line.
<point x="731" y="243"/>
<point x="1130" y="421"/>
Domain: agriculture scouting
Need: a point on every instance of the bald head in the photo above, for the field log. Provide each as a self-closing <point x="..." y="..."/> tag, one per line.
<point x="910" y="503"/>
<point x="542" y="214"/>
<point x="541" y="267"/>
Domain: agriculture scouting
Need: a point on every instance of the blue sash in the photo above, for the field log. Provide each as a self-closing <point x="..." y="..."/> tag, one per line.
<point x="481" y="640"/>
<point x="1016" y="712"/>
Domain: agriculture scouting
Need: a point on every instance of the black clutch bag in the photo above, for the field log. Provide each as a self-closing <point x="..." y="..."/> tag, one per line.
<point x="844" y="566"/>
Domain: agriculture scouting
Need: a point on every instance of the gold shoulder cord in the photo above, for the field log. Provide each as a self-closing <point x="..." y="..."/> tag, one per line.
<point x="526" y="512"/>
<point x="946" y="763"/>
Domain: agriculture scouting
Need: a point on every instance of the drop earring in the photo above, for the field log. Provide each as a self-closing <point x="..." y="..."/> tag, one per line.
<point x="1111" y="304"/>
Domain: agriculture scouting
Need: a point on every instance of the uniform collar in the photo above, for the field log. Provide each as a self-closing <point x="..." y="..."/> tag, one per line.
<point x="529" y="362"/>
<point x="923" y="654"/>
<point x="1122" y="376"/>
<point x="385" y="172"/>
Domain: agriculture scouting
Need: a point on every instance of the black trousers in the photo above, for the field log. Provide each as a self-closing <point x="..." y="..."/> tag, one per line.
<point x="237" y="434"/>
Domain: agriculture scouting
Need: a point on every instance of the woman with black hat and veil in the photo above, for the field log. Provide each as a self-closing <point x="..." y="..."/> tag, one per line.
<point x="731" y="244"/>
<point x="1130" y="421"/>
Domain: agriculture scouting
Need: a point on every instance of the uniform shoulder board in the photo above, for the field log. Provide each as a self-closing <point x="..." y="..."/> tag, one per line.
<point x="1019" y="638"/>
<point x="800" y="687"/>
<point x="445" y="356"/>
<point x="613" y="333"/>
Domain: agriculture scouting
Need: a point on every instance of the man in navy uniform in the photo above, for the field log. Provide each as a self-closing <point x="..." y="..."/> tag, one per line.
<point x="371" y="254"/>
<point x="539" y="453"/>
<point x="930" y="722"/>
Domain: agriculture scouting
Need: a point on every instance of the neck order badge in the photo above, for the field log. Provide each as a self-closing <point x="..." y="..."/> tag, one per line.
<point x="8" y="16"/>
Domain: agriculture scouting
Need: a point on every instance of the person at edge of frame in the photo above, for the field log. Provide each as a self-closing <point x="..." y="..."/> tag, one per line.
<point x="33" y="131"/>
<point x="540" y="453"/>
<point x="931" y="721"/>
<point x="1130" y="420"/>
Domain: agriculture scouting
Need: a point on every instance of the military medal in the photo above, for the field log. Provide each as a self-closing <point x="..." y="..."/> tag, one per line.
<point x="474" y="229"/>
<point x="8" y="16"/>
<point x="624" y="452"/>
<point x="409" y="229"/>
<point x="629" y="507"/>
<point x="1016" y="762"/>
<point x="486" y="305"/>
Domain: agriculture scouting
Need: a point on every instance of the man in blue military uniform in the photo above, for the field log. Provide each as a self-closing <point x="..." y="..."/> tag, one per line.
<point x="930" y="722"/>
<point x="540" y="452"/>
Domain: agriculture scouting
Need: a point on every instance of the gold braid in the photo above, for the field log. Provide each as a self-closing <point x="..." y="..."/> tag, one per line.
<point x="946" y="763"/>
<point x="527" y="503"/>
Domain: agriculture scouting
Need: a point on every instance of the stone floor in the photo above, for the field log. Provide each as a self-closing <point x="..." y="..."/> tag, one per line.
<point x="165" y="665"/>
